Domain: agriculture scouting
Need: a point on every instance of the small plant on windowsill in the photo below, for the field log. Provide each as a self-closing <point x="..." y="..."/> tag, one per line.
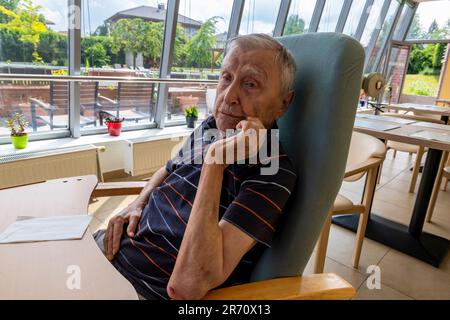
<point x="191" y="114"/>
<point x="17" y="125"/>
<point x="114" y="124"/>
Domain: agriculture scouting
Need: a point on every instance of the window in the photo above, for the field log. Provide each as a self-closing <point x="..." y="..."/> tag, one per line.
<point x="120" y="39"/>
<point x="373" y="22"/>
<point x="34" y="41"/>
<point x="330" y="15"/>
<point x="299" y="18"/>
<point x="200" y="40"/>
<point x="431" y="21"/>
<point x="385" y="29"/>
<point x="354" y="16"/>
<point x="259" y="16"/>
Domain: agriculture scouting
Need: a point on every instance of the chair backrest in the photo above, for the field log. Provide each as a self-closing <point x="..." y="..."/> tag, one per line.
<point x="59" y="94"/>
<point x="137" y="95"/>
<point x="362" y="148"/>
<point x="315" y="132"/>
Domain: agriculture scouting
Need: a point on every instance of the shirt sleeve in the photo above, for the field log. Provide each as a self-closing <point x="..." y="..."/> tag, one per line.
<point x="260" y="202"/>
<point x="188" y="149"/>
<point x="173" y="163"/>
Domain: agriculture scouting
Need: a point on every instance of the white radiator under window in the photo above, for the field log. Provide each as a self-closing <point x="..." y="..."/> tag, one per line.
<point x="146" y="157"/>
<point x="26" y="168"/>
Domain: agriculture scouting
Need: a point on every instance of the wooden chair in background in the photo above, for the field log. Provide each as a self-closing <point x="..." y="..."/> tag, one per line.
<point x="409" y="148"/>
<point x="134" y="102"/>
<point x="57" y="109"/>
<point x="443" y="174"/>
<point x="366" y="155"/>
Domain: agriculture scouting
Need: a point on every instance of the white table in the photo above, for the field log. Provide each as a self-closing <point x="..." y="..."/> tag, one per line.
<point x="407" y="239"/>
<point x="444" y="112"/>
<point x="40" y="270"/>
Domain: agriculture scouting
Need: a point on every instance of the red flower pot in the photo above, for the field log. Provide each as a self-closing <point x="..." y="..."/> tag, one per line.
<point x="114" y="128"/>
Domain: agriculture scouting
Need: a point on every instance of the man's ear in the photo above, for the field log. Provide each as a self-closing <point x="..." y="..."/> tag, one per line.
<point x="287" y="99"/>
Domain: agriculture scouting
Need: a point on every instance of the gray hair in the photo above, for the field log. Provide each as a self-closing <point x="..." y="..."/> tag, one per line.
<point x="283" y="57"/>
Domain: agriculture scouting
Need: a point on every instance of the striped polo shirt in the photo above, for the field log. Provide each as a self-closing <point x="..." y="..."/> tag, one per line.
<point x="250" y="201"/>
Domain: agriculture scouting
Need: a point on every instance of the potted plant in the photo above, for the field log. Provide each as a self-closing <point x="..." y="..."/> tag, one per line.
<point x="114" y="125"/>
<point x="191" y="114"/>
<point x="17" y="125"/>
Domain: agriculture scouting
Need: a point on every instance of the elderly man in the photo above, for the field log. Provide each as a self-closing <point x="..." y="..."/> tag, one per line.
<point x="197" y="226"/>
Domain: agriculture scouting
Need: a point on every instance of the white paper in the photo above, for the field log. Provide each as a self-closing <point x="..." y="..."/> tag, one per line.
<point x="431" y="135"/>
<point x="375" y="125"/>
<point x="46" y="229"/>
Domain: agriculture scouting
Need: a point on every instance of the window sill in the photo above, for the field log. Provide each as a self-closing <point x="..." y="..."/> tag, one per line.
<point x="99" y="139"/>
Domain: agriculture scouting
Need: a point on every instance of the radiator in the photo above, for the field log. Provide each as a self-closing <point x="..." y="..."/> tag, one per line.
<point x="26" y="168"/>
<point x="145" y="157"/>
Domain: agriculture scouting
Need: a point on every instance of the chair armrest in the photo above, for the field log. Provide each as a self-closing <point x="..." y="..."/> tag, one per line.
<point x="362" y="167"/>
<point x="324" y="286"/>
<point x="108" y="100"/>
<point x="111" y="189"/>
<point x="42" y="104"/>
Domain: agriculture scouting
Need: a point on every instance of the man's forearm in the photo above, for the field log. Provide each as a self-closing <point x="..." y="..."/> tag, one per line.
<point x="200" y="258"/>
<point x="157" y="178"/>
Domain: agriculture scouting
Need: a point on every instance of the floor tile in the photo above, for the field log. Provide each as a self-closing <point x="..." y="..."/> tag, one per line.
<point x="384" y="293"/>
<point x="351" y="275"/>
<point x="413" y="277"/>
<point x="401" y="199"/>
<point x="340" y="248"/>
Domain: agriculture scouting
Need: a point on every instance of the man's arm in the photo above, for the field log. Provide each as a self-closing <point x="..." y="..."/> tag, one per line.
<point x="130" y="215"/>
<point x="210" y="250"/>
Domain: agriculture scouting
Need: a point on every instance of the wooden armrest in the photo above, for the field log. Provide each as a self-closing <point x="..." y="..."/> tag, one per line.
<point x="362" y="167"/>
<point x="100" y="97"/>
<point x="110" y="189"/>
<point x="324" y="286"/>
<point x="42" y="104"/>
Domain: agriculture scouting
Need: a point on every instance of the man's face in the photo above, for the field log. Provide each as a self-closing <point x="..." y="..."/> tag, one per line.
<point x="249" y="86"/>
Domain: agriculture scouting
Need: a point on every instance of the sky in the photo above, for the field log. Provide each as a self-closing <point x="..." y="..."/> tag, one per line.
<point x="265" y="11"/>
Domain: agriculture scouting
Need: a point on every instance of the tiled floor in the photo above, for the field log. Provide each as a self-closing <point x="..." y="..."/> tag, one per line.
<point x="402" y="277"/>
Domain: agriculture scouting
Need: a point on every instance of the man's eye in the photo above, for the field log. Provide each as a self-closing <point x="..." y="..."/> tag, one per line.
<point x="226" y="77"/>
<point x="250" y="84"/>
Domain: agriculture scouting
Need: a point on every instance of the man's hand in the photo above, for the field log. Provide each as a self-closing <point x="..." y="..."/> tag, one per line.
<point x="131" y="216"/>
<point x="246" y="144"/>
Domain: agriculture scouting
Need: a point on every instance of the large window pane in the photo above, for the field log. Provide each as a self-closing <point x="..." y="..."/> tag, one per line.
<point x="431" y="21"/>
<point x="373" y="22"/>
<point x="33" y="40"/>
<point x="386" y="28"/>
<point x="330" y="15"/>
<point x="198" y="54"/>
<point x="299" y="17"/>
<point x="259" y="16"/>
<point x="120" y="38"/>
<point x="354" y="16"/>
<point x="44" y="104"/>
<point x="396" y="69"/>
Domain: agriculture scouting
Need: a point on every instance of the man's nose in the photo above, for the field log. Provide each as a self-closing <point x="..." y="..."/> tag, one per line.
<point x="232" y="94"/>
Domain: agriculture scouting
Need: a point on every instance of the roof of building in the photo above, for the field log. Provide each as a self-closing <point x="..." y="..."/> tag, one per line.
<point x="153" y="14"/>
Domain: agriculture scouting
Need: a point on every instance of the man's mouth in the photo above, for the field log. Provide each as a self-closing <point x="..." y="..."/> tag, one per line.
<point x="232" y="116"/>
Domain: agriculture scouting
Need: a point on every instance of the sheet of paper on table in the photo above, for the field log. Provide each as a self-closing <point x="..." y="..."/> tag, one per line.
<point x="29" y="229"/>
<point x="431" y="135"/>
<point x="385" y="118"/>
<point x="375" y="125"/>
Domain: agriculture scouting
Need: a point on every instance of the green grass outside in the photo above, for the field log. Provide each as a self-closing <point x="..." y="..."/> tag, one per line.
<point x="419" y="84"/>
